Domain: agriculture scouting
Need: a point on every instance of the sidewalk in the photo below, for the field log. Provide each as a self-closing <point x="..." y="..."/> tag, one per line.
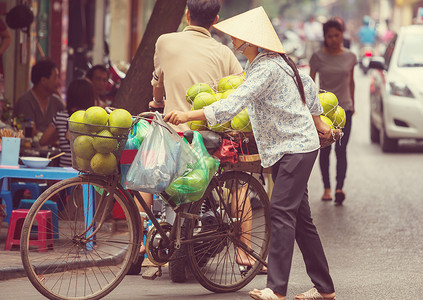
<point x="10" y="261"/>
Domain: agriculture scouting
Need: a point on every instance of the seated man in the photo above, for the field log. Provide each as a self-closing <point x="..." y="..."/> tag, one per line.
<point x="98" y="76"/>
<point x="41" y="103"/>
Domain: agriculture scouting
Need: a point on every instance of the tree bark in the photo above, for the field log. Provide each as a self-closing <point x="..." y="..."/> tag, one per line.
<point x="136" y="91"/>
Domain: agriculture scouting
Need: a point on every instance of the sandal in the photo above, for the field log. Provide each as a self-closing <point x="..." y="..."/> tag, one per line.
<point x="265" y="294"/>
<point x="311" y="295"/>
<point x="339" y="198"/>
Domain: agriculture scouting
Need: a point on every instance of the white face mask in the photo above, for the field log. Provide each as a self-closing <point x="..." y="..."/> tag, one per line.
<point x="242" y="48"/>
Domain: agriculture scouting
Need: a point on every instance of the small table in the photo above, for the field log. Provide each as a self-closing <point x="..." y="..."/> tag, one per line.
<point x="49" y="173"/>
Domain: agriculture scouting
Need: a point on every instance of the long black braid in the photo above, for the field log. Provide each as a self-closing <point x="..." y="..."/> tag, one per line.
<point x="298" y="81"/>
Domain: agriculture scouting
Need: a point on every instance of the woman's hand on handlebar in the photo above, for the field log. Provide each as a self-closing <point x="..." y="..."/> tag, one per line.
<point x="178" y="117"/>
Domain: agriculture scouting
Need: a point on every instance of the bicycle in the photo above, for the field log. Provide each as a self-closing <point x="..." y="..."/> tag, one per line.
<point x="94" y="252"/>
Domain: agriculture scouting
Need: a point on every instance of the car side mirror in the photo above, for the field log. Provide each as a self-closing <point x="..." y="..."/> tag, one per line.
<point x="377" y="62"/>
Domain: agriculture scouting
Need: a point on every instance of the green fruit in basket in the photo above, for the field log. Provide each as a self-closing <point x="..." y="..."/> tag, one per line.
<point x="197" y="125"/>
<point x="95" y="115"/>
<point x="339" y="118"/>
<point x="203" y="99"/>
<point x="242" y="121"/>
<point x="104" y="142"/>
<point x="83" y="147"/>
<point x="120" y="118"/>
<point x="227" y="93"/>
<point x="329" y="103"/>
<point x="229" y="82"/>
<point x="77" y="117"/>
<point x="103" y="163"/>
<point x="327" y="121"/>
<point x="195" y="89"/>
<point x="83" y="164"/>
<point x="220" y="127"/>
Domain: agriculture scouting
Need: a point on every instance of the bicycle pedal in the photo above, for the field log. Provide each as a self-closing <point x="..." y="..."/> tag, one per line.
<point x="152" y="273"/>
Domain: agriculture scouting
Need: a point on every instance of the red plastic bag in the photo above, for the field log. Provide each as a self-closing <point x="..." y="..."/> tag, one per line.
<point x="227" y="152"/>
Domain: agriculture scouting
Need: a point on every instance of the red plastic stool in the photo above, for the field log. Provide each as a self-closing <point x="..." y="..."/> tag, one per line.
<point x="45" y="237"/>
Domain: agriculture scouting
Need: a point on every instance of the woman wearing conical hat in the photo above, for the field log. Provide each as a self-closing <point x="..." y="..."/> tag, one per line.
<point x="284" y="111"/>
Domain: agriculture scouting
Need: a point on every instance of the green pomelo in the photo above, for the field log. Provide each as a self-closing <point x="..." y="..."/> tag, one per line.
<point x="339" y="118"/>
<point x="242" y="121"/>
<point x="221" y="127"/>
<point x="229" y="82"/>
<point x="83" y="164"/>
<point x="104" y="142"/>
<point x="103" y="163"/>
<point x="95" y="115"/>
<point x="327" y="121"/>
<point x="203" y="99"/>
<point x="329" y="103"/>
<point x="77" y="117"/>
<point x="83" y="147"/>
<point x="195" y="89"/>
<point x="197" y="125"/>
<point x="218" y="96"/>
<point x="120" y="118"/>
<point x="227" y="93"/>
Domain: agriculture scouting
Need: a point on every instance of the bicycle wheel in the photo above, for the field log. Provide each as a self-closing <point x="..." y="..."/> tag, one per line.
<point x="232" y="231"/>
<point x="77" y="265"/>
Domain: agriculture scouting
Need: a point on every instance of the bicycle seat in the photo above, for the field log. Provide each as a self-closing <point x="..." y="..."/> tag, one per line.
<point x="212" y="140"/>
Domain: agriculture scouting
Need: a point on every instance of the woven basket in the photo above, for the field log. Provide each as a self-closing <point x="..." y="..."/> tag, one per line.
<point x="96" y="149"/>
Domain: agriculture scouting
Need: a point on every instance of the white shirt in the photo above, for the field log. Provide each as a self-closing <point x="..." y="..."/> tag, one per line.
<point x="281" y="123"/>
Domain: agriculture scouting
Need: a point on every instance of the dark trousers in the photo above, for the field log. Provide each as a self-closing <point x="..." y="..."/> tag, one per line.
<point x="291" y="220"/>
<point x="341" y="157"/>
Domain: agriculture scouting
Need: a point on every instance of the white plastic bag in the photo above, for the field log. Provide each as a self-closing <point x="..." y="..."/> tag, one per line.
<point x="162" y="157"/>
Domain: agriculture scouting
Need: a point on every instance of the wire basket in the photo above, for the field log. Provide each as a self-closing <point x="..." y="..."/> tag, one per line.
<point x="96" y="149"/>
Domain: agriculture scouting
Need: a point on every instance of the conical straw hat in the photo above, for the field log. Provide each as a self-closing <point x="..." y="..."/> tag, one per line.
<point x="253" y="27"/>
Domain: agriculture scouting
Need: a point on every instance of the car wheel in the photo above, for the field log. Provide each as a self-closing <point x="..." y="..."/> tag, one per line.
<point x="387" y="144"/>
<point x="374" y="133"/>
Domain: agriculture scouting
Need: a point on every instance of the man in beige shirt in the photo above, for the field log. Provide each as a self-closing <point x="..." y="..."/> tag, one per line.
<point x="188" y="57"/>
<point x="185" y="58"/>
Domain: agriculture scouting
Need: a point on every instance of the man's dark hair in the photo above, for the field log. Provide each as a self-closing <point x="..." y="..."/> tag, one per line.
<point x="90" y="72"/>
<point x="42" y="68"/>
<point x="203" y="12"/>
<point x="79" y="95"/>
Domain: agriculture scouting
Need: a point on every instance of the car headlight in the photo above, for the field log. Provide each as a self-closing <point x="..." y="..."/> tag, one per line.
<point x="400" y="89"/>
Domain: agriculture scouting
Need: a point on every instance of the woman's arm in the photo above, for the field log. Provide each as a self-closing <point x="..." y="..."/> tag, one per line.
<point x="313" y="74"/>
<point x="352" y="89"/>
<point x="49" y="136"/>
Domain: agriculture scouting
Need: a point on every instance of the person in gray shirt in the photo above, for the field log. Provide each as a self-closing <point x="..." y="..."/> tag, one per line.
<point x="41" y="103"/>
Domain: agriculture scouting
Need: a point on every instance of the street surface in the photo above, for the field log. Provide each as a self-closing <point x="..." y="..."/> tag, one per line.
<point x="374" y="242"/>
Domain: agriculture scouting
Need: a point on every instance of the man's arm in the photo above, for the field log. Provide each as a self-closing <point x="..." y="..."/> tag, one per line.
<point x="158" y="95"/>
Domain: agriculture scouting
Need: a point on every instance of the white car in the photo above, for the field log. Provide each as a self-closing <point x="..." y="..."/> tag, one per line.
<point x="396" y="90"/>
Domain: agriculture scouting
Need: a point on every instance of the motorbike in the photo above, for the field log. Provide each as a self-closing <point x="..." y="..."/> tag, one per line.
<point x="365" y="55"/>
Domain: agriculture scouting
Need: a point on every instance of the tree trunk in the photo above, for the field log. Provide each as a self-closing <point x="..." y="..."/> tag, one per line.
<point x="136" y="91"/>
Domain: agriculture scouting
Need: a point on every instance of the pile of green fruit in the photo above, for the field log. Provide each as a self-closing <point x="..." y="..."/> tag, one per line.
<point x="333" y="113"/>
<point x="95" y="137"/>
<point x="200" y="95"/>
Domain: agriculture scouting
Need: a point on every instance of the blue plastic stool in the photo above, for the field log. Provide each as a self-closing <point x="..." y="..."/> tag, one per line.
<point x="6" y="196"/>
<point x="49" y="205"/>
<point x="30" y="186"/>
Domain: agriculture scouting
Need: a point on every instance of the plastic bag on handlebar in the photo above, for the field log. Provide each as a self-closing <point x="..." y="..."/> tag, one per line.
<point x="190" y="186"/>
<point x="161" y="158"/>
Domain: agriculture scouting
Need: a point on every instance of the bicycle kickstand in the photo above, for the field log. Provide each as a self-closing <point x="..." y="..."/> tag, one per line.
<point x="152" y="273"/>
